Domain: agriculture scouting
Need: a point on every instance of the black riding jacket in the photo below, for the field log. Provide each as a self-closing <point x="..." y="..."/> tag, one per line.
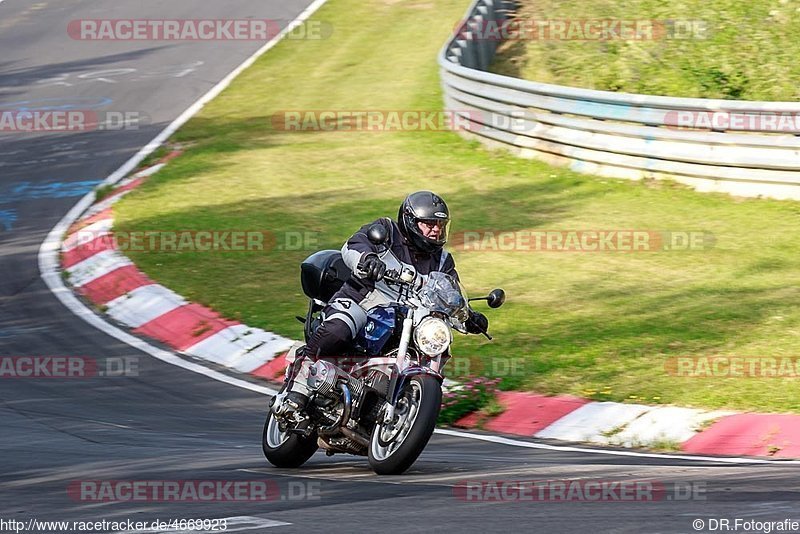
<point x="396" y="253"/>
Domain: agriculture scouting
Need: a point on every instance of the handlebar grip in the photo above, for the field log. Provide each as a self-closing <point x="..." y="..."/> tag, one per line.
<point x="392" y="276"/>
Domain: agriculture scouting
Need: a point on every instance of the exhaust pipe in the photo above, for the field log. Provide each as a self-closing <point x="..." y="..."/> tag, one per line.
<point x="347" y="400"/>
<point x="358" y="438"/>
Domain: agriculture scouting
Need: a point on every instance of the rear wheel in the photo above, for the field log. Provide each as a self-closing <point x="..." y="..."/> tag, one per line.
<point x="395" y="446"/>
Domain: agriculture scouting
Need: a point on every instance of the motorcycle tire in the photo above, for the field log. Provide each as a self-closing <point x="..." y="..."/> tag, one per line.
<point x="426" y="392"/>
<point x="284" y="449"/>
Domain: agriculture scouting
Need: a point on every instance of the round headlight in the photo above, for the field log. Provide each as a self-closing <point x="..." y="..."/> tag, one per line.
<point x="432" y="336"/>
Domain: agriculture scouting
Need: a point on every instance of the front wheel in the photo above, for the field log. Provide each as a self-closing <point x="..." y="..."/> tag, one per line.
<point x="285" y="449"/>
<point x="396" y="446"/>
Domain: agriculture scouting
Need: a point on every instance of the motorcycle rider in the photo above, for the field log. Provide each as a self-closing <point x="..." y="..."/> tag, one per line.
<point x="415" y="240"/>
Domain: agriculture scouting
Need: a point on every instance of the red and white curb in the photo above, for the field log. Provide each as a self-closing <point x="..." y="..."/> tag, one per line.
<point x="695" y="431"/>
<point x="111" y="281"/>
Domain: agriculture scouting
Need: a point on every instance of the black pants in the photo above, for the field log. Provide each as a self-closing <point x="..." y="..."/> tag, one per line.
<point x="342" y="320"/>
<point x="332" y="338"/>
<point x="332" y="341"/>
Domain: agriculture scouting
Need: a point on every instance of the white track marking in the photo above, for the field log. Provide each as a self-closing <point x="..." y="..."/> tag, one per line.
<point x="241" y="523"/>
<point x="104" y="204"/>
<point x="149" y="171"/>
<point x="234" y="524"/>
<point x="49" y="267"/>
<point x="564" y="448"/>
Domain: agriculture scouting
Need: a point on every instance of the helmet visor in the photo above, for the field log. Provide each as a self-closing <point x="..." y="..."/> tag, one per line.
<point x="434" y="230"/>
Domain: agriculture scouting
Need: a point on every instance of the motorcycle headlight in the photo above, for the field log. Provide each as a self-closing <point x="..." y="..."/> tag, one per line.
<point x="432" y="336"/>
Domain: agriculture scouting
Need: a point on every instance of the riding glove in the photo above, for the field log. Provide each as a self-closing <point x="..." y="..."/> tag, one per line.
<point x="372" y="267"/>
<point x="477" y="323"/>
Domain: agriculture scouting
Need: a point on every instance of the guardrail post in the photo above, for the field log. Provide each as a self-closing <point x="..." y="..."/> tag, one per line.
<point x="469" y="55"/>
<point x="481" y="51"/>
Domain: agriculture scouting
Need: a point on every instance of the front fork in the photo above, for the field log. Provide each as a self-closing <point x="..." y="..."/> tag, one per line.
<point x="401" y="361"/>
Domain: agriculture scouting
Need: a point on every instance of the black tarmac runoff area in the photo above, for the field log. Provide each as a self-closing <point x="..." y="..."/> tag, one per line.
<point x="167" y="444"/>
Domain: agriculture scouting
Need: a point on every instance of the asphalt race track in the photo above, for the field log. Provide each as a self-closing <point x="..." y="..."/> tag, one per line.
<point x="169" y="424"/>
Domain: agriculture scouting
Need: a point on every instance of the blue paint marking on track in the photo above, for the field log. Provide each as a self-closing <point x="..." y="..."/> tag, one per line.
<point x="7" y="219"/>
<point x="20" y="331"/>
<point x="59" y="104"/>
<point x="32" y="191"/>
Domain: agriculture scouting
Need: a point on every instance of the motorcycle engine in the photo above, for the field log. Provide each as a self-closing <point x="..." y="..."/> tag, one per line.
<point x="323" y="376"/>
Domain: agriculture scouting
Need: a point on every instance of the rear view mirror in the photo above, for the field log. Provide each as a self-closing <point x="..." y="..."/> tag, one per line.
<point x="496" y="298"/>
<point x="377" y="234"/>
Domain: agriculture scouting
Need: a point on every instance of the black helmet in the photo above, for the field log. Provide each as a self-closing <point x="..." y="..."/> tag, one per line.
<point x="424" y="206"/>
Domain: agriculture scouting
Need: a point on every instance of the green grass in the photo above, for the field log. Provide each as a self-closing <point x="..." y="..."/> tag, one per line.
<point x="661" y="444"/>
<point x="103" y="191"/>
<point x="748" y="52"/>
<point x="596" y="324"/>
<point x="157" y="155"/>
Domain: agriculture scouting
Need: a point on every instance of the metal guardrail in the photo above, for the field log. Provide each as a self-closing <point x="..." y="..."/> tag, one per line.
<point x="739" y="147"/>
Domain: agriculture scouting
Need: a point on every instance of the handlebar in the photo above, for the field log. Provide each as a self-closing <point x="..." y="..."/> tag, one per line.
<point x="394" y="277"/>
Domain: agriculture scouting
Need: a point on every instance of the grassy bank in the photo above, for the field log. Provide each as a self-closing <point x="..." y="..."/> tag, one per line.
<point x="735" y="50"/>
<point x="596" y="324"/>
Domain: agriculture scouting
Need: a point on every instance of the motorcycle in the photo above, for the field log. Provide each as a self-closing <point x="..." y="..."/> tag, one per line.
<point x="382" y="400"/>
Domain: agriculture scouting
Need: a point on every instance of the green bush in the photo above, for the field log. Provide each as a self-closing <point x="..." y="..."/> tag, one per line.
<point x="466" y="398"/>
<point x="738" y="50"/>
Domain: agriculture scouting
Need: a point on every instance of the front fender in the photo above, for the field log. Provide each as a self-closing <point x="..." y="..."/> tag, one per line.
<point x="401" y="379"/>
